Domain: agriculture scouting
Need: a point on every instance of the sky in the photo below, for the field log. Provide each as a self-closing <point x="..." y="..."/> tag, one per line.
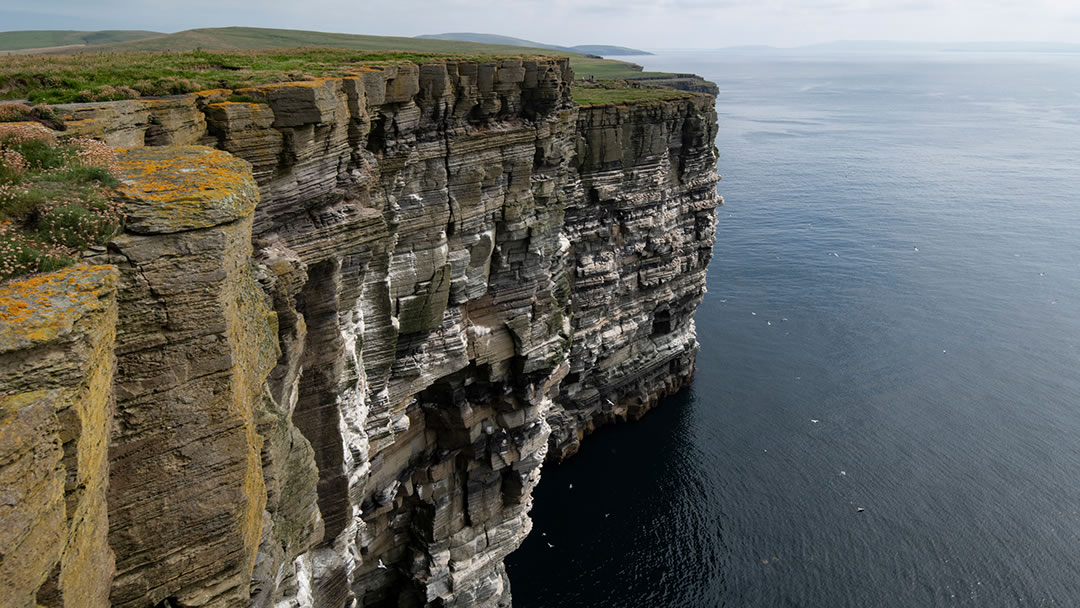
<point x="648" y="24"/>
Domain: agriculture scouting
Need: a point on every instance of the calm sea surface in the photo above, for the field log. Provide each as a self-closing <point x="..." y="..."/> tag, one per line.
<point x="893" y="324"/>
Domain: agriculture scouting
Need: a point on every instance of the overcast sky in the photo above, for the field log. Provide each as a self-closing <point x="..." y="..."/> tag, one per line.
<point x="638" y="23"/>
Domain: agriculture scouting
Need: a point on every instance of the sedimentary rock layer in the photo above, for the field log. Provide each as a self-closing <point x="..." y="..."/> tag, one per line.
<point x="56" y="407"/>
<point x="343" y="359"/>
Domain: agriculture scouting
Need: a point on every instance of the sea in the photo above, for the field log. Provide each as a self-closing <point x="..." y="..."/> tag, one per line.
<point x="886" y="410"/>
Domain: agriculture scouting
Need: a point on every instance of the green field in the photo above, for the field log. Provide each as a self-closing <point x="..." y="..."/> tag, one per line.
<point x="41" y="39"/>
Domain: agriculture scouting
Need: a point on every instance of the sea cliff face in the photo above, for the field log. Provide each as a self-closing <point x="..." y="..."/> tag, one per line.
<point x="345" y="326"/>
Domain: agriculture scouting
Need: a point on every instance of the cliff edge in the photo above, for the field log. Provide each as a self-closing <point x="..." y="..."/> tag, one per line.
<point x="347" y="322"/>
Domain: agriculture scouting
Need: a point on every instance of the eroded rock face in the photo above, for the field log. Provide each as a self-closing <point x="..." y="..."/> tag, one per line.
<point x="57" y="335"/>
<point x="643" y="227"/>
<point x="342" y="362"/>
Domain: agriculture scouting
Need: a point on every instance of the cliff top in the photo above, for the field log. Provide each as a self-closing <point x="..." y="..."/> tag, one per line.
<point x="623" y="92"/>
<point x="64" y="78"/>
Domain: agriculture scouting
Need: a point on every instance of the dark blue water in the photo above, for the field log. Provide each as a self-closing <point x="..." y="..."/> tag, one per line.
<point x="910" y="227"/>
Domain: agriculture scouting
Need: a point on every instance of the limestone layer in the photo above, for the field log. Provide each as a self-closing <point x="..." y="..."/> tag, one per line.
<point x="354" y="318"/>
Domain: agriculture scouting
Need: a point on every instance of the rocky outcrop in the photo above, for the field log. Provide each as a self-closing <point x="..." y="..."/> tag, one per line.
<point x="342" y="360"/>
<point x="683" y="82"/>
<point x="57" y="335"/>
<point x="195" y="342"/>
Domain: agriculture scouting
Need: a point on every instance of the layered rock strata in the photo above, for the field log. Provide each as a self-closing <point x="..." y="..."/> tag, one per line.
<point x="57" y="366"/>
<point x="342" y="359"/>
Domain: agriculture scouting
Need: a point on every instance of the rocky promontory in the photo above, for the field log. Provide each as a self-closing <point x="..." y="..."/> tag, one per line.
<point x="348" y="320"/>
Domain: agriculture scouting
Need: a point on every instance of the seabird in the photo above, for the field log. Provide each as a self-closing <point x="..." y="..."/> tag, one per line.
<point x="754" y="313"/>
<point x="859" y="510"/>
<point x="769" y="322"/>
<point x="814" y="421"/>
<point x="381" y="565"/>
<point x="550" y="546"/>
<point x="843" y="473"/>
<point x="571" y="486"/>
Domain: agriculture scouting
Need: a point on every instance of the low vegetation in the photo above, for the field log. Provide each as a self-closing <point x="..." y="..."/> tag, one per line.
<point x="55" y="198"/>
<point x="65" y="78"/>
<point x="20" y="112"/>
<point x="612" y="93"/>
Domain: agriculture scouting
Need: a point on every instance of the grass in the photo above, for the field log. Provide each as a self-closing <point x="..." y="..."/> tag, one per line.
<point x="55" y="199"/>
<point x="610" y="69"/>
<point x="66" y="78"/>
<point x="584" y="96"/>
<point x="41" y="39"/>
<point x="254" y="38"/>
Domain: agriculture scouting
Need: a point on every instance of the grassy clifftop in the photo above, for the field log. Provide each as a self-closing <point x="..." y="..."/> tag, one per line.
<point x="253" y="38"/>
<point x="63" y="78"/>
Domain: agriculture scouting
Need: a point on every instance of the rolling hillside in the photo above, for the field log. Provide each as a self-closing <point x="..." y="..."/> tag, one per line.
<point x="43" y="39"/>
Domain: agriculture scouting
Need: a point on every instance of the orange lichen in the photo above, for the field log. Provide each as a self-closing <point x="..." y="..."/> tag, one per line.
<point x="41" y="307"/>
<point x="174" y="100"/>
<point x="184" y="187"/>
<point x="307" y="84"/>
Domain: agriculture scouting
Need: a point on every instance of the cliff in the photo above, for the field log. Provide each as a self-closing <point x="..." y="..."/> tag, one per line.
<point x="346" y="324"/>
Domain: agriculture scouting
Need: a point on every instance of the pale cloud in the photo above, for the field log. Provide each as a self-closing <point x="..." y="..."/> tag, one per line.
<point x="640" y="23"/>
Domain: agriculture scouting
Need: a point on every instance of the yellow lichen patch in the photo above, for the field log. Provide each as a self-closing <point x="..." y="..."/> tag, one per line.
<point x="43" y="307"/>
<point x="172" y="100"/>
<point x="307" y="84"/>
<point x="176" y="188"/>
<point x="212" y="92"/>
<point x="86" y="127"/>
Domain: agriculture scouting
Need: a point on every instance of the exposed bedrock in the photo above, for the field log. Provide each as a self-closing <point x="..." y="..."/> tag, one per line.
<point x="355" y="319"/>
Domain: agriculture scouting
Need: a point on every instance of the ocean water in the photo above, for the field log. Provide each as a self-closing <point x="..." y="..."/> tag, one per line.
<point x="892" y="324"/>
